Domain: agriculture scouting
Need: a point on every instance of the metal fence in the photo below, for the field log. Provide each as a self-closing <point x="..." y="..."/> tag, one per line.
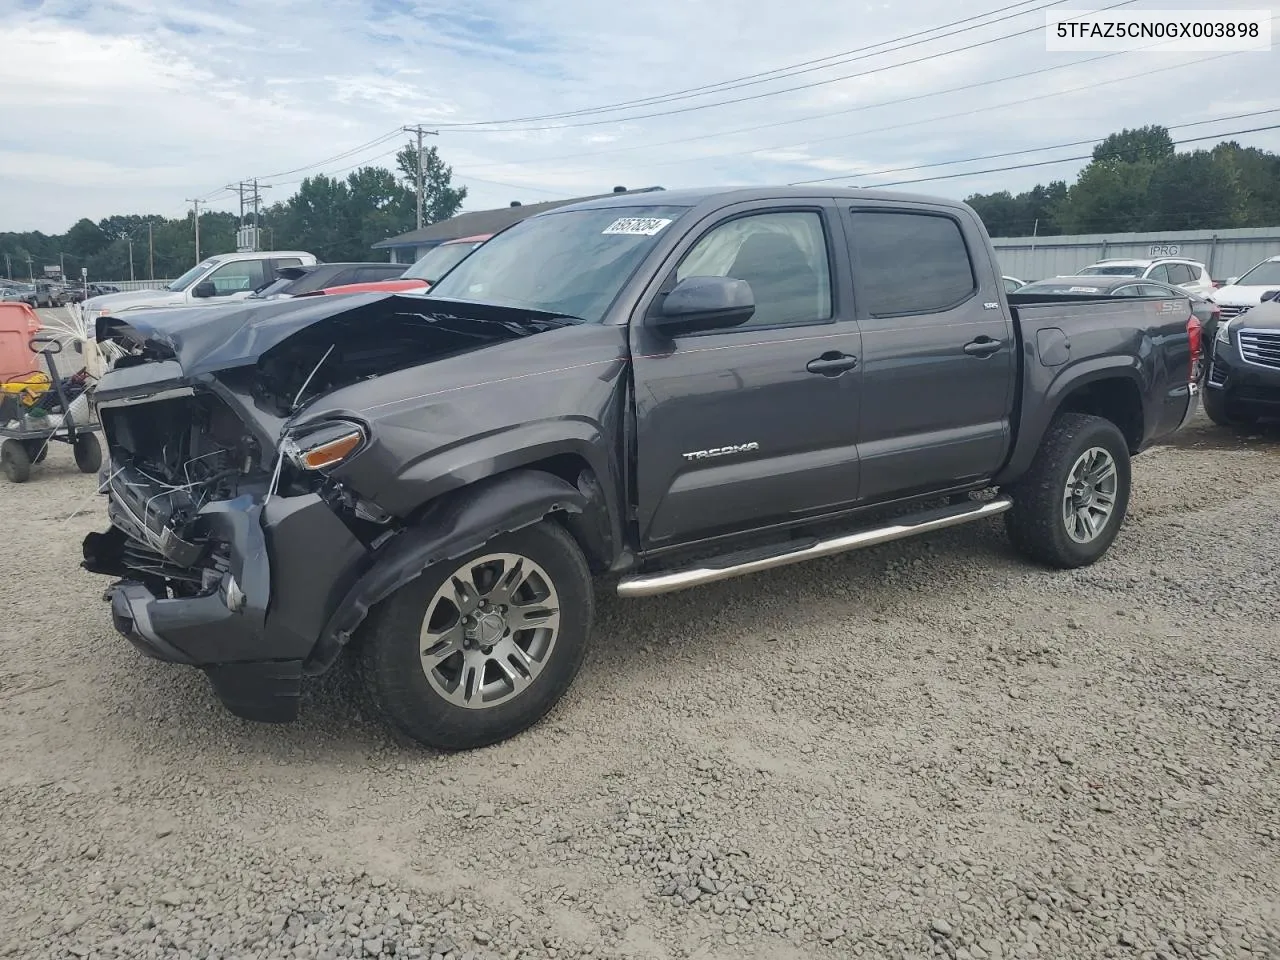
<point x="1227" y="253"/>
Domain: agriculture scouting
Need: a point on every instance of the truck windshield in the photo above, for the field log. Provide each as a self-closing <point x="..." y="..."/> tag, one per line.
<point x="1123" y="271"/>
<point x="572" y="264"/>
<point x="189" y="277"/>
<point x="439" y="261"/>
<point x="1263" y="275"/>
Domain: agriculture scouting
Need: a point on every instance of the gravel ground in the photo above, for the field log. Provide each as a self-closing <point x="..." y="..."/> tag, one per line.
<point x="922" y="750"/>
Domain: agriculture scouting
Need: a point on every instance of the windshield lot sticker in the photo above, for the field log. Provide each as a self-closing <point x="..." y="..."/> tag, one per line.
<point x="636" y="227"/>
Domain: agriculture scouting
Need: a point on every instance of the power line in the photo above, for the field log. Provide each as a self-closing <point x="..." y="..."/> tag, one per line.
<point x="461" y="176"/>
<point x="822" y="116"/>
<point x="1014" y="153"/>
<point x="340" y="156"/>
<point x="778" y="73"/>
<point x="1049" y="163"/>
<point x="775" y="93"/>
<point x="915" y="123"/>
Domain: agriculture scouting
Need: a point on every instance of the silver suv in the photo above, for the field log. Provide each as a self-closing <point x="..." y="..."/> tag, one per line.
<point x="1189" y="274"/>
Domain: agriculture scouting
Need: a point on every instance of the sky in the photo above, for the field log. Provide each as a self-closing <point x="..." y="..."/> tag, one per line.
<point x="138" y="106"/>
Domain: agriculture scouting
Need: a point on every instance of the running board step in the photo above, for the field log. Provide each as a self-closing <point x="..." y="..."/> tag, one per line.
<point x="649" y="585"/>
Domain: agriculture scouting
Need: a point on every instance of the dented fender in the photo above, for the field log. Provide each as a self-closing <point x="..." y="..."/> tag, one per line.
<point x="454" y="525"/>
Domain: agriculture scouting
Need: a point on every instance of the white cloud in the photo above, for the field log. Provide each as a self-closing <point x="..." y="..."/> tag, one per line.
<point x="132" y="105"/>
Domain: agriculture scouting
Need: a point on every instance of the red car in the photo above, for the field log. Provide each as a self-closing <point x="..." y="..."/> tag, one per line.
<point x="434" y="265"/>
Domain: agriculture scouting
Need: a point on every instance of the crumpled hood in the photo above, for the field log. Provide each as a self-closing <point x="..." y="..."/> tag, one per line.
<point x="134" y="299"/>
<point x="204" y="341"/>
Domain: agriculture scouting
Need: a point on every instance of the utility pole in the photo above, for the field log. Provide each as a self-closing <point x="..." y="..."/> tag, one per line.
<point x="421" y="133"/>
<point x="62" y="264"/>
<point x="31" y="271"/>
<point x="151" y="253"/>
<point x="255" y="199"/>
<point x="8" y="267"/>
<point x="129" y="240"/>
<point x="257" y="213"/>
<point x="196" y="205"/>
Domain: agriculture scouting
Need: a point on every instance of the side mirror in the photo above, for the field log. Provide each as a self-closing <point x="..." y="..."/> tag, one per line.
<point x="204" y="289"/>
<point x="698" y="304"/>
<point x="1231" y="280"/>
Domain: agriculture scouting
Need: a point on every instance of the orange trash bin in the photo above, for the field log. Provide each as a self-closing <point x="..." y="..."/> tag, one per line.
<point x="18" y="324"/>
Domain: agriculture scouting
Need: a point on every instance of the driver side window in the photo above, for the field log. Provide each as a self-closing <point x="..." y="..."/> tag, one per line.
<point x="783" y="256"/>
<point x="240" y="277"/>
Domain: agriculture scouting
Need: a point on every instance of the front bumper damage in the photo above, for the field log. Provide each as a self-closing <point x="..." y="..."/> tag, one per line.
<point x="271" y="574"/>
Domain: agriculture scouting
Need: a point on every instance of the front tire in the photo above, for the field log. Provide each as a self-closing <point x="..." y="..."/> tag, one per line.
<point x="479" y="649"/>
<point x="1215" y="407"/>
<point x="1071" y="503"/>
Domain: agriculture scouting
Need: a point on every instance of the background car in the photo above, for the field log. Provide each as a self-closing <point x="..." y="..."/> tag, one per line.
<point x="1188" y="274"/>
<point x="48" y="293"/>
<point x="426" y="271"/>
<point x="1204" y="309"/>
<point x="297" y="281"/>
<point x="1241" y="293"/>
<point x="19" y="293"/>
<point x="1013" y="283"/>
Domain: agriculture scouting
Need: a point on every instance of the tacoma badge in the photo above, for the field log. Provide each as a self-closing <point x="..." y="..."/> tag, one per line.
<point x="722" y="451"/>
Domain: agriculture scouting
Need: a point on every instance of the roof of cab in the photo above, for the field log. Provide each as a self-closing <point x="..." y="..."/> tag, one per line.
<point x="722" y="196"/>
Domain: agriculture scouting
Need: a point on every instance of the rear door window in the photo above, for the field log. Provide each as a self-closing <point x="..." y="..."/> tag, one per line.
<point x="909" y="263"/>
<point x="1159" y="272"/>
<point x="1179" y="273"/>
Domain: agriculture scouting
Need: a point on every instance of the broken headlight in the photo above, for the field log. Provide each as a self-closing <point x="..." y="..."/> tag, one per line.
<point x="326" y="446"/>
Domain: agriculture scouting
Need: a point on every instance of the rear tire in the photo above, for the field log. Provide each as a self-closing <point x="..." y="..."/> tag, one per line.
<point x="1071" y="503"/>
<point x="16" y="463"/>
<point x="432" y="675"/>
<point x="88" y="453"/>
<point x="1215" y="407"/>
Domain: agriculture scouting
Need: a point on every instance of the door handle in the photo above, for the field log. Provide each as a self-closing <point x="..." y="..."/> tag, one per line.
<point x="832" y="364"/>
<point x="982" y="347"/>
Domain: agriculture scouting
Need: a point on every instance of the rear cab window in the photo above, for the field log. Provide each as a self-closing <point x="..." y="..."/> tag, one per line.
<point x="908" y="262"/>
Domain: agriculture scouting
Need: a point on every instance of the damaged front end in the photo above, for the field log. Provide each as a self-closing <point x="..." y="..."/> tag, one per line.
<point x="231" y="541"/>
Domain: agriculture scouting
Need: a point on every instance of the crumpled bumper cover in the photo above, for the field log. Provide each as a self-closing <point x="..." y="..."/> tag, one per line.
<point x="292" y="560"/>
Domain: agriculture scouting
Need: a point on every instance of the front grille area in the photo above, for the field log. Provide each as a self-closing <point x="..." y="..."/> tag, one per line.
<point x="1261" y="347"/>
<point x="1230" y="313"/>
<point x="146" y="562"/>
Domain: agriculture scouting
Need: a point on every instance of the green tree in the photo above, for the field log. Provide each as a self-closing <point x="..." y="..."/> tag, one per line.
<point x="1150" y="144"/>
<point x="1030" y="212"/>
<point x="1189" y="191"/>
<point x="1255" y="174"/>
<point x="316" y="218"/>
<point x="440" y="199"/>
<point x="85" y="239"/>
<point x="1107" y="197"/>
<point x="379" y="206"/>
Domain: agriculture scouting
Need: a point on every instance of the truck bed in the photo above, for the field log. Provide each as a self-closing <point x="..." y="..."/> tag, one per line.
<point x="1142" y="341"/>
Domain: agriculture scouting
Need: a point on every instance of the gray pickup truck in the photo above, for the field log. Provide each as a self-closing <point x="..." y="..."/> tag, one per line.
<point x="658" y="390"/>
